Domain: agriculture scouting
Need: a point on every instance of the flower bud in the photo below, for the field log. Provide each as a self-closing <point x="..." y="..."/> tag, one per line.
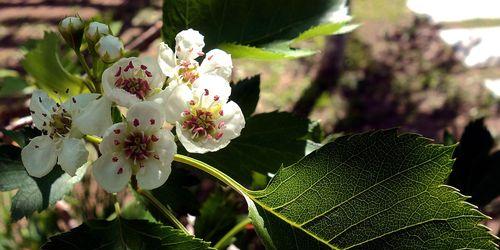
<point x="95" y="30"/>
<point x="71" y="29"/>
<point x="109" y="48"/>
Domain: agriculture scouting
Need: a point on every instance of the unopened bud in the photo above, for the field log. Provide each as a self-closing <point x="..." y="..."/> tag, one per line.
<point x="109" y="48"/>
<point x="95" y="30"/>
<point x="71" y="29"/>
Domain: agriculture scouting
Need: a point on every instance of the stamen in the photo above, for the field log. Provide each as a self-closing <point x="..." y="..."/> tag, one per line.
<point x="40" y="99"/>
<point x="144" y="67"/>
<point x="154" y="138"/>
<point x="115" y="159"/>
<point x="67" y="91"/>
<point x="216" y="98"/>
<point x="120" y="170"/>
<point x="136" y="122"/>
<point x="206" y="92"/>
<point x="219" y="135"/>
<point x="152" y="121"/>
<point x="210" y="57"/>
<point x="73" y="99"/>
<point x="129" y="66"/>
<point x="117" y="131"/>
<point x="36" y="146"/>
<point x="119" y="72"/>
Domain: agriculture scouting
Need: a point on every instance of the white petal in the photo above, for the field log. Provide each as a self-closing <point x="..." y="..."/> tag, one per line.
<point x="95" y="118"/>
<point x="113" y="176"/>
<point x="166" y="60"/>
<point x="153" y="174"/>
<point x="152" y="66"/>
<point x="39" y="156"/>
<point x="189" y="44"/>
<point x="72" y="155"/>
<point x="41" y="109"/>
<point x="75" y="104"/>
<point x="95" y="30"/>
<point x="145" y="116"/>
<point x="216" y="86"/>
<point x="113" y="137"/>
<point x="217" y="62"/>
<point x="234" y="122"/>
<point x="165" y="147"/>
<point x="174" y="101"/>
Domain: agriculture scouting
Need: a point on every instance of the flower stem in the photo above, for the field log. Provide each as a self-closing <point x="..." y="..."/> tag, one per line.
<point x="212" y="171"/>
<point x="165" y="211"/>
<point x="85" y="66"/>
<point x="226" y="239"/>
<point x="93" y="139"/>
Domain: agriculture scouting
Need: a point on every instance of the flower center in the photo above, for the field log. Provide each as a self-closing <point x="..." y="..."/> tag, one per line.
<point x="202" y="121"/>
<point x="60" y="122"/>
<point x="188" y="72"/>
<point x="138" y="146"/>
<point x="134" y="80"/>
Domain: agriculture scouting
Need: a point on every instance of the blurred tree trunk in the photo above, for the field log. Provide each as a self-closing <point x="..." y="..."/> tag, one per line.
<point x="327" y="76"/>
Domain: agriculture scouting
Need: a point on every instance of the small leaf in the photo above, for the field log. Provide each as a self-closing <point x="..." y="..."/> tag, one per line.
<point x="124" y="234"/>
<point x="34" y="194"/>
<point x="268" y="141"/>
<point x="246" y="94"/>
<point x="44" y="65"/>
<point x="375" y="190"/>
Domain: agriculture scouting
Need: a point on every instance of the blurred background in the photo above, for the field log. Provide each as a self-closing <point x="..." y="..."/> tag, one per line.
<point x="430" y="67"/>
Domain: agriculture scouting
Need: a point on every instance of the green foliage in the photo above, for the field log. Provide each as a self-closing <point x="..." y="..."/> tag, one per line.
<point x="246" y="94"/>
<point x="10" y="86"/>
<point x="176" y="193"/>
<point x="258" y="29"/>
<point x="267" y="142"/>
<point x="476" y="170"/>
<point x="44" y="65"/>
<point x="217" y="217"/>
<point x="124" y="234"/>
<point x="34" y="194"/>
<point x="375" y="190"/>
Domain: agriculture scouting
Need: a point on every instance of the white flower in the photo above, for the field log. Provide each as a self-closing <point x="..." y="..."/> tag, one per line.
<point x="109" y="48"/>
<point x="205" y="120"/>
<point x="61" y="140"/>
<point x="96" y="30"/>
<point x="138" y="146"/>
<point x="189" y="44"/>
<point x="70" y="24"/>
<point x="132" y="80"/>
<point x="181" y="66"/>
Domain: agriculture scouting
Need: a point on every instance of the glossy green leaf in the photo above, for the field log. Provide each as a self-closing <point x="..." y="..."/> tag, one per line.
<point x="44" y="65"/>
<point x="33" y="194"/>
<point x="257" y="29"/>
<point x="246" y="94"/>
<point x="267" y="142"/>
<point x="124" y="234"/>
<point x="376" y="190"/>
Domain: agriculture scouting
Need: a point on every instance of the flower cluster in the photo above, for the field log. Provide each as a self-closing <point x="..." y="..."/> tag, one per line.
<point x="172" y="90"/>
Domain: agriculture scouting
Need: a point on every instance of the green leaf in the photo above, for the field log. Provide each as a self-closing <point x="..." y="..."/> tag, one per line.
<point x="10" y="86"/>
<point x="270" y="52"/>
<point x="376" y="190"/>
<point x="246" y="94"/>
<point x="44" y="65"/>
<point x="258" y="29"/>
<point x="267" y="142"/>
<point x="33" y="194"/>
<point x="217" y="217"/>
<point x="124" y="234"/>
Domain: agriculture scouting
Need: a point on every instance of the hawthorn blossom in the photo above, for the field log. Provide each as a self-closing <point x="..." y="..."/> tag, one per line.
<point x="181" y="66"/>
<point x="132" y="80"/>
<point x="60" y="141"/>
<point x="205" y="120"/>
<point x="109" y="48"/>
<point x="138" y="146"/>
